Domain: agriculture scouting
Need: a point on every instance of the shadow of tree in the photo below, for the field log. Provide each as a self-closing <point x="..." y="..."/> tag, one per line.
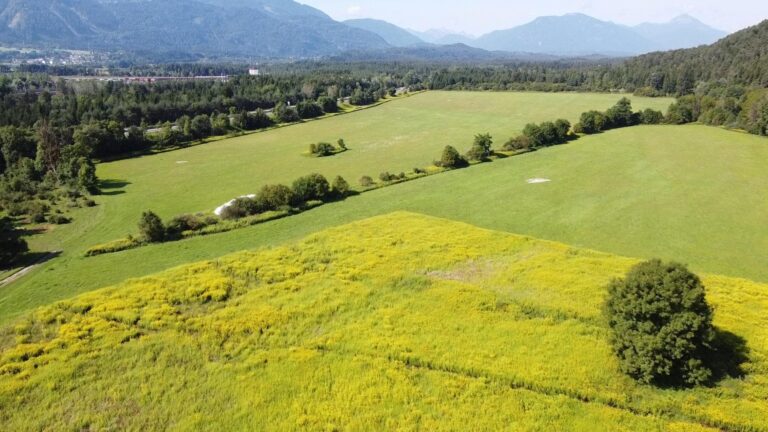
<point x="31" y="232"/>
<point x="32" y="258"/>
<point x="727" y="356"/>
<point x="112" y="187"/>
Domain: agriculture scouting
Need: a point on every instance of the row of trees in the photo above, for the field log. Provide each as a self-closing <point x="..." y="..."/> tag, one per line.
<point x="618" y="116"/>
<point x="27" y="98"/>
<point x="546" y="134"/>
<point x="313" y="187"/>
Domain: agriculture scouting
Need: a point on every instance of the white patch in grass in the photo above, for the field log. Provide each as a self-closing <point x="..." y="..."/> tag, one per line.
<point x="538" y="180"/>
<point x="182" y="162"/>
<point x="220" y="209"/>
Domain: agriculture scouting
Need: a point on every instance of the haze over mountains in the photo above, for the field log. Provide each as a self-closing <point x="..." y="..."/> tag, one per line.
<point x="575" y="34"/>
<point x="287" y="29"/>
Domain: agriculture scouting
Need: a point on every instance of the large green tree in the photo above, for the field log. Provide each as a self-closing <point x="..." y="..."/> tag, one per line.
<point x="151" y="227"/>
<point x="661" y="325"/>
<point x="12" y="246"/>
<point x="452" y="159"/>
<point x="311" y="187"/>
<point x="481" y="147"/>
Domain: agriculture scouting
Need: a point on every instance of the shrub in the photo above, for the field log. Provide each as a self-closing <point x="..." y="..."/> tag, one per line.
<point x="419" y="171"/>
<point x="661" y="324"/>
<point x="322" y="149"/>
<point x="362" y="97"/>
<point x="534" y="134"/>
<point x="452" y="159"/>
<point x="592" y="122"/>
<point x="200" y="127"/>
<point x="366" y="181"/>
<point x="58" y="219"/>
<point x="328" y="104"/>
<point x="342" y="145"/>
<point x="237" y="210"/>
<point x="12" y="246"/>
<point x="649" y="116"/>
<point x="182" y="223"/>
<point x="307" y="110"/>
<point x="549" y="134"/>
<point x="518" y="143"/>
<point x="258" y="120"/>
<point x="285" y="114"/>
<point x="151" y="227"/>
<point x="340" y="187"/>
<point x="311" y="187"/>
<point x="481" y="148"/>
<point x="387" y="177"/>
<point x="113" y="246"/>
<point x="563" y="129"/>
<point x="37" y="211"/>
<point x="275" y="197"/>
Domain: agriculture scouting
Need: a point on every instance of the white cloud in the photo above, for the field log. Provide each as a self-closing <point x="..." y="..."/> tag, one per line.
<point x="354" y="10"/>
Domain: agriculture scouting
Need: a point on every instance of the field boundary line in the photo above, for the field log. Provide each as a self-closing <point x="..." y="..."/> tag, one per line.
<point x="516" y="383"/>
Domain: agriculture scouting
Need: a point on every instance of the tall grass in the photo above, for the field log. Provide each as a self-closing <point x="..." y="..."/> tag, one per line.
<point x="400" y="322"/>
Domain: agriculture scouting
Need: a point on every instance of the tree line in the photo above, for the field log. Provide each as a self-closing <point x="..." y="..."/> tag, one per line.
<point x="270" y="198"/>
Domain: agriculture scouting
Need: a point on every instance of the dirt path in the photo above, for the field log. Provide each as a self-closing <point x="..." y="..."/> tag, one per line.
<point x="19" y="274"/>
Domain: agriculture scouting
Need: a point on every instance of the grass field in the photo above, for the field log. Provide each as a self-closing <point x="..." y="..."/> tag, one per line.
<point x="396" y="136"/>
<point x="688" y="193"/>
<point x="400" y="322"/>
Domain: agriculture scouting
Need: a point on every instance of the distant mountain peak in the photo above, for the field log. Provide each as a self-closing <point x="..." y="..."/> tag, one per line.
<point x="685" y="19"/>
<point x="683" y="31"/>
<point x="573" y="34"/>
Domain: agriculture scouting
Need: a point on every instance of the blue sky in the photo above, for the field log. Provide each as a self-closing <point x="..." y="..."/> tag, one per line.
<point x="480" y="16"/>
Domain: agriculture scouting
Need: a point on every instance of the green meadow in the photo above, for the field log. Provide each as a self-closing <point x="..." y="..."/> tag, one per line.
<point x="688" y="193"/>
<point x="398" y="322"/>
<point x="397" y="136"/>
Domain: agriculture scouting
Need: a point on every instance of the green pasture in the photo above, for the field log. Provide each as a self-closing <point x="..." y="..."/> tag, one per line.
<point x="690" y="193"/>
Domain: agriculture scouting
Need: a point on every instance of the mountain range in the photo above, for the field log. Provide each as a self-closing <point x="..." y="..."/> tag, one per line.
<point x="258" y="28"/>
<point x="577" y="35"/>
<point x="287" y="29"/>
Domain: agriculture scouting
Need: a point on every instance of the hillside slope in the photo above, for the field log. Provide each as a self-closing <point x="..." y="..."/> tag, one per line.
<point x="391" y="33"/>
<point x="741" y="58"/>
<point x="396" y="321"/>
<point x="258" y="28"/>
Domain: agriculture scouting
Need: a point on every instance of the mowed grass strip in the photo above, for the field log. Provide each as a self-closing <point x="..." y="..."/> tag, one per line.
<point x="398" y="321"/>
<point x="687" y="193"/>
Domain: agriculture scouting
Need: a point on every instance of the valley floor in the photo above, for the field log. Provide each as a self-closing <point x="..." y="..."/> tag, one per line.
<point x="687" y="193"/>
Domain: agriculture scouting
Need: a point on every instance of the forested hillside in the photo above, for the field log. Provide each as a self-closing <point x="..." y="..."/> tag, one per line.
<point x="259" y="28"/>
<point x="741" y="58"/>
